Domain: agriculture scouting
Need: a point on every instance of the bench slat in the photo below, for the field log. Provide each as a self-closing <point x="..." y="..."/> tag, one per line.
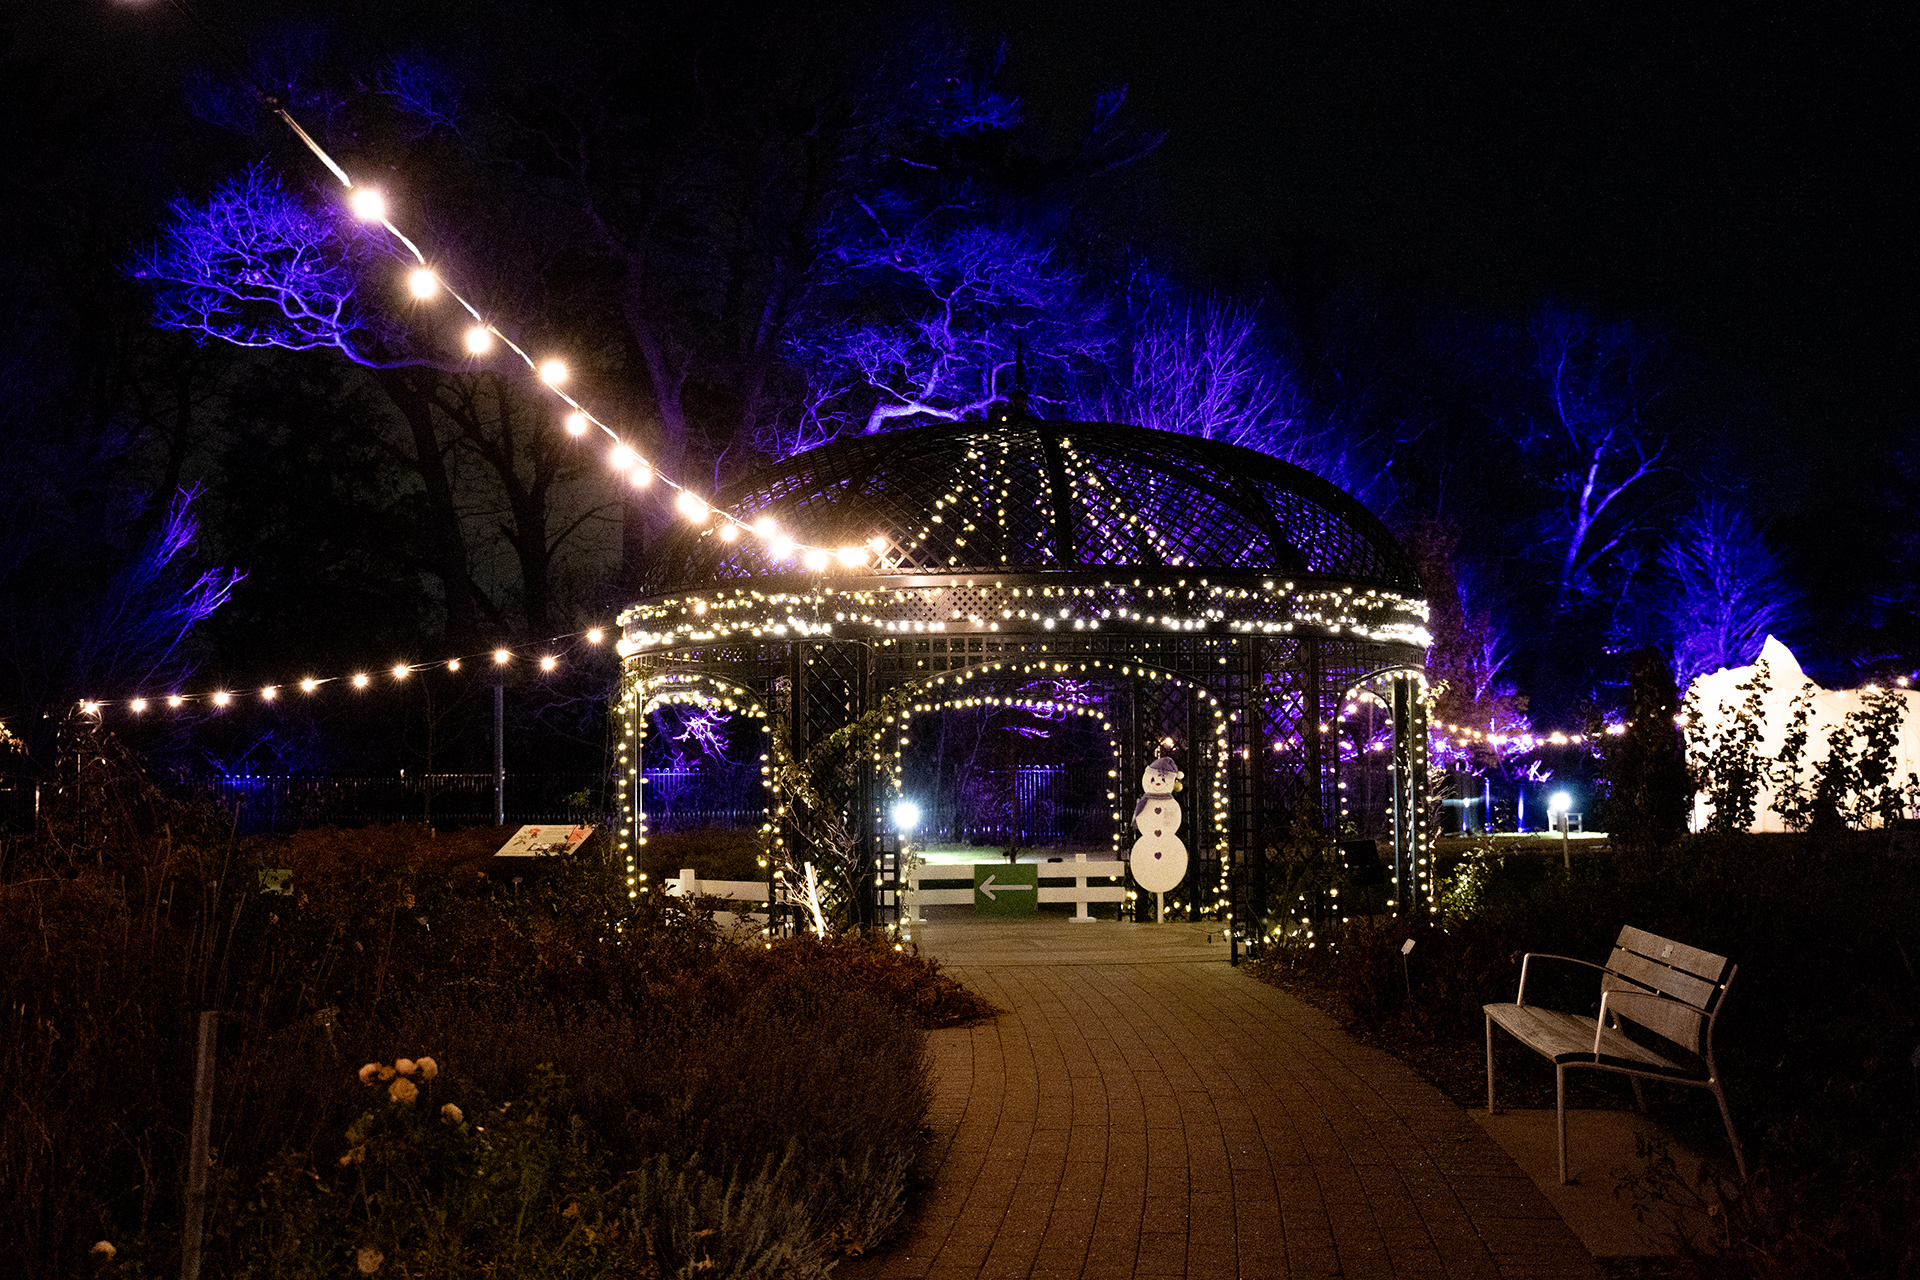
<point x="1678" y="954"/>
<point x="1657" y="977"/>
<point x="1566" y="1037"/>
<point x="1661" y="1016"/>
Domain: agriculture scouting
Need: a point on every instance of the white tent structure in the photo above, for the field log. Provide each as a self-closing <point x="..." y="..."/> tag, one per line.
<point x="1717" y="700"/>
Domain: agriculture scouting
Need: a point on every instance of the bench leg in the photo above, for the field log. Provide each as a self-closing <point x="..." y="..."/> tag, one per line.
<point x="1560" y="1099"/>
<point x="1739" y="1157"/>
<point x="1490" y="1064"/>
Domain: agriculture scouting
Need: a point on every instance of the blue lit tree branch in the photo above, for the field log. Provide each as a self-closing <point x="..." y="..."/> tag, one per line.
<point x="1728" y="591"/>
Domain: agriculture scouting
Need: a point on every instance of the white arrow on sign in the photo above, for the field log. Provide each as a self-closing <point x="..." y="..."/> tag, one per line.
<point x="986" y="887"/>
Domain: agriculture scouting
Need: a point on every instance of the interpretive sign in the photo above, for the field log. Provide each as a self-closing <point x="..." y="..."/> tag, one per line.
<point x="545" y="840"/>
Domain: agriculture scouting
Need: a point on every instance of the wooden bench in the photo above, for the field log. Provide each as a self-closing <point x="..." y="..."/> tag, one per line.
<point x="1666" y="987"/>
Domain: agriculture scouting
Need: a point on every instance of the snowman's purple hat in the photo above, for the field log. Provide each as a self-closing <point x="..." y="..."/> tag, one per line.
<point x="1165" y="764"/>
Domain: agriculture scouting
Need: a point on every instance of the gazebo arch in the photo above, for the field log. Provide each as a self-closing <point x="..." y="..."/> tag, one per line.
<point x="1193" y="583"/>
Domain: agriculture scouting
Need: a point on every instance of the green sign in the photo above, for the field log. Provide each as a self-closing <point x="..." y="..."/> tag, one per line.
<point x="1000" y="889"/>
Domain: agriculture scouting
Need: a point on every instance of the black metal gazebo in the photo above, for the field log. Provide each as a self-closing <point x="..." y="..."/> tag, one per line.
<point x="1201" y="593"/>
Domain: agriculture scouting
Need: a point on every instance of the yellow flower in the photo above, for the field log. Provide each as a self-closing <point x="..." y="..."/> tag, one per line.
<point x="451" y="1114"/>
<point x="104" y="1248"/>
<point x="368" y="1072"/>
<point x="402" y="1090"/>
<point x="428" y="1068"/>
<point x="403" y="1065"/>
<point x="386" y="1073"/>
<point x="369" y="1260"/>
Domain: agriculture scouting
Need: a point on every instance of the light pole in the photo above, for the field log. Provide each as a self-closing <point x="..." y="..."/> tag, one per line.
<point x="1557" y="811"/>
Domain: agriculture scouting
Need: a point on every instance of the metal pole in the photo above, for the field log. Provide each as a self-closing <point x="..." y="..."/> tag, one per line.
<point x="499" y="754"/>
<point x="198" y="1144"/>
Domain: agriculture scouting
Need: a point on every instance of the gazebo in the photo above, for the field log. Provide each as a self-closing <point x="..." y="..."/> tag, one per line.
<point x="1203" y="598"/>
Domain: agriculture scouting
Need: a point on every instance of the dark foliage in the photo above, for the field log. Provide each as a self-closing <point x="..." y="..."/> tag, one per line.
<point x="1815" y="1043"/>
<point x="1648" y="791"/>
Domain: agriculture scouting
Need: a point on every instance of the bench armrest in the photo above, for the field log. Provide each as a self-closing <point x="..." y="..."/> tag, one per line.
<point x="1529" y="958"/>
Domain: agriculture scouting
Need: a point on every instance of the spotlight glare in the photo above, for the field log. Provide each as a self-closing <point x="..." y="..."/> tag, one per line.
<point x="553" y="372"/>
<point x="576" y="424"/>
<point x="691" y="505"/>
<point x="422" y="283"/>
<point x="368" y="204"/>
<point x="479" y="340"/>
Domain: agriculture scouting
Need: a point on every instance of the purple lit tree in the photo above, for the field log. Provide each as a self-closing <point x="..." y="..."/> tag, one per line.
<point x="1726" y="591"/>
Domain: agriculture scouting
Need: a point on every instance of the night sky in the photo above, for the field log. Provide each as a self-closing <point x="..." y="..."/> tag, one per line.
<point x="1739" y="183"/>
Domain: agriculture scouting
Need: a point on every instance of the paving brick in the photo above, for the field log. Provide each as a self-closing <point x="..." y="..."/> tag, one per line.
<point x="1143" y="1110"/>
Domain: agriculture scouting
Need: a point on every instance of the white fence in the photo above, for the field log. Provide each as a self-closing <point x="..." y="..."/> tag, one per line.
<point x="1081" y="870"/>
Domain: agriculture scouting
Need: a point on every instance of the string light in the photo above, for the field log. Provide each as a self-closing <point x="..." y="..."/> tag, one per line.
<point x="369" y="204"/>
<point x="399" y="672"/>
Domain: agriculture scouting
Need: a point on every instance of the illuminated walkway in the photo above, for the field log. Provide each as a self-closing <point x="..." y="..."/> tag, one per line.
<point x="1142" y="1109"/>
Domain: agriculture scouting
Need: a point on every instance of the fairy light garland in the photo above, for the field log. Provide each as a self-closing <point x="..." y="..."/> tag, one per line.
<point x="425" y="282"/>
<point x="541" y="655"/>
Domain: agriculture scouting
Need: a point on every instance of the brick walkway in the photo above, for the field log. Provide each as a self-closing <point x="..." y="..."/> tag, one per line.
<point x="1142" y="1109"/>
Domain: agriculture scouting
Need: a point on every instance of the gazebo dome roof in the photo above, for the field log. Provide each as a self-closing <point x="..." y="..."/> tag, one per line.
<point x="1014" y="495"/>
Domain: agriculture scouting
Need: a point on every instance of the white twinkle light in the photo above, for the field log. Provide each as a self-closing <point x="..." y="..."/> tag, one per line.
<point x="360" y="679"/>
<point x="138" y="705"/>
<point x="851" y="557"/>
<point x="422" y="283"/>
<point x="270" y="692"/>
<point x="400" y="671"/>
<point x="691" y="505"/>
<point x="222" y="698"/>
<point x="765" y="526"/>
<point x="595" y="636"/>
<point x="309" y="685"/>
<point x="553" y="372"/>
<point x="453" y="664"/>
<point x="174" y="699"/>
<point x="479" y="340"/>
<point x="90" y="708"/>
<point x="780" y="547"/>
<point x="576" y="424"/>
<point x="549" y="662"/>
<point x="642" y="474"/>
<point x="500" y="657"/>
<point x="622" y="457"/>
<point x="729" y="531"/>
<point x="368" y="204"/>
<point x="815" y="559"/>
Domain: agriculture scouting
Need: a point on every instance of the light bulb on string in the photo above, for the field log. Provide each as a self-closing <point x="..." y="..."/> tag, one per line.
<point x="222" y="698"/>
<point x="138" y="705"/>
<point x="553" y="372"/>
<point x="422" y="283"/>
<point x="501" y="657"/>
<point x="360" y="679"/>
<point x="270" y="692"/>
<point x="729" y="531"/>
<point x="642" y="474"/>
<point x="622" y="457"/>
<point x="595" y="636"/>
<point x="174" y="699"/>
<point x="549" y="662"/>
<point x="368" y="204"/>
<point x="453" y="664"/>
<point x="691" y="505"/>
<point x="576" y="424"/>
<point x="400" y="671"/>
<point x="815" y="559"/>
<point x="479" y="340"/>
<point x="309" y="685"/>
<point x="851" y="557"/>
<point x="780" y="547"/>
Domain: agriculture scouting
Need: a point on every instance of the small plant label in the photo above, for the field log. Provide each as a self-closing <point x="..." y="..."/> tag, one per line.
<point x="1406" y="948"/>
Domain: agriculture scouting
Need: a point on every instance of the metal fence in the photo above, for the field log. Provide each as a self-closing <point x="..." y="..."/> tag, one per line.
<point x="291" y="802"/>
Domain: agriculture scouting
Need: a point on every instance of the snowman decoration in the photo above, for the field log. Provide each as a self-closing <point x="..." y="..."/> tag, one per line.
<point x="1159" y="857"/>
